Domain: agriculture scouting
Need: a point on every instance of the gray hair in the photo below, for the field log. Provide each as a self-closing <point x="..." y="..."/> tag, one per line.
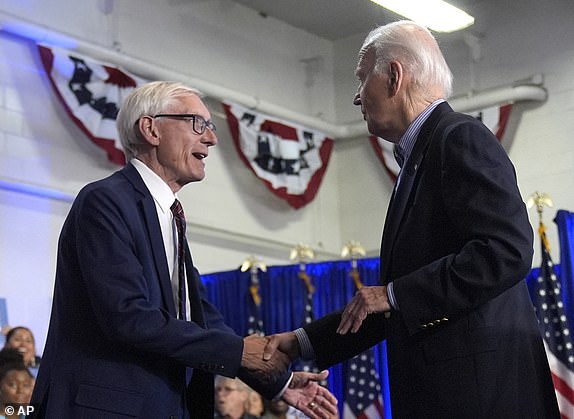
<point x="148" y="99"/>
<point x="416" y="49"/>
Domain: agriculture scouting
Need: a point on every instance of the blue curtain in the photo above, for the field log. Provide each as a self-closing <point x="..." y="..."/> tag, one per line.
<point x="282" y="303"/>
<point x="565" y="222"/>
<point x="283" y="295"/>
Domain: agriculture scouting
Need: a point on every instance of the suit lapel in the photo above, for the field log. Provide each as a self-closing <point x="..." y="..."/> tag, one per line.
<point x="149" y="211"/>
<point x="402" y="192"/>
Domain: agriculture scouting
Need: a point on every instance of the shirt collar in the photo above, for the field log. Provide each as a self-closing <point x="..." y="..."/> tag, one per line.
<point x="407" y="142"/>
<point x="160" y="191"/>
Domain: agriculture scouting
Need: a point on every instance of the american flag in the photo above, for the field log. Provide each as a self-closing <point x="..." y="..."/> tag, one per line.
<point x="363" y="399"/>
<point x="555" y="330"/>
<point x="254" y="318"/>
<point x="309" y="316"/>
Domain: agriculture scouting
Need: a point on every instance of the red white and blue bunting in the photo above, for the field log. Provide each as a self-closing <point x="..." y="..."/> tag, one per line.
<point x="290" y="159"/>
<point x="91" y="93"/>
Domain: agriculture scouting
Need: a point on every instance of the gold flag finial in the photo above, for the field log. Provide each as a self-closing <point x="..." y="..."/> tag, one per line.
<point x="540" y="200"/>
<point x="252" y="263"/>
<point x="302" y="252"/>
<point x="353" y="249"/>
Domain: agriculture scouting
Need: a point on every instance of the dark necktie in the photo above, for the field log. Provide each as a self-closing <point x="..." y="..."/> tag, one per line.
<point x="399" y="157"/>
<point x="179" y="218"/>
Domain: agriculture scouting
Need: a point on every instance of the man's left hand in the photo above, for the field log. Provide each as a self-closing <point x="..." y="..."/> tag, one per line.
<point x="366" y="301"/>
<point x="305" y="394"/>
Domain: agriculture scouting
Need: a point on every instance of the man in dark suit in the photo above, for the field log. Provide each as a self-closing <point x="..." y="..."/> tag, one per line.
<point x="127" y="338"/>
<point x="462" y="338"/>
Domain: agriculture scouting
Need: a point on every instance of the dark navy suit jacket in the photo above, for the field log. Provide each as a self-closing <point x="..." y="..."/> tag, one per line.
<point x="457" y="245"/>
<point x="115" y="348"/>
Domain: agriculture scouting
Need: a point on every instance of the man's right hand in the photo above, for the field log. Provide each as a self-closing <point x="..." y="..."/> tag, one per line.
<point x="286" y="343"/>
<point x="266" y="368"/>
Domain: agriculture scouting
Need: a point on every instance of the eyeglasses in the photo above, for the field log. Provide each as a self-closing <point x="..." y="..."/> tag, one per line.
<point x="198" y="122"/>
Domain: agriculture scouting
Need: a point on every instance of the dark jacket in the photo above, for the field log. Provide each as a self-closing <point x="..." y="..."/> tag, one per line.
<point x="457" y="245"/>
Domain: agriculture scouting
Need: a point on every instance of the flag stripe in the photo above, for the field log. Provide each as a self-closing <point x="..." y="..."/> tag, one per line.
<point x="554" y="328"/>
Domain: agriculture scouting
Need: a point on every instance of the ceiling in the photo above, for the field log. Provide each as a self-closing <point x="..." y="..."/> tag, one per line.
<point x="338" y="19"/>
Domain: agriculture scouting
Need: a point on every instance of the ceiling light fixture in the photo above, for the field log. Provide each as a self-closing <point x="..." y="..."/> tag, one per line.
<point x="437" y="15"/>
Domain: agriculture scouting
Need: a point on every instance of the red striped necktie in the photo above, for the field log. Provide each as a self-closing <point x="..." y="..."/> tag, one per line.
<point x="179" y="218"/>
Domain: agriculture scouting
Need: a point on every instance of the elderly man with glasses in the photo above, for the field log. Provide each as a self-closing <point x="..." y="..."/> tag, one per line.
<point x="131" y="333"/>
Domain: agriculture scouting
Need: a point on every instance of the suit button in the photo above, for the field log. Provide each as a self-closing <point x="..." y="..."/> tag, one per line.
<point x="444" y="319"/>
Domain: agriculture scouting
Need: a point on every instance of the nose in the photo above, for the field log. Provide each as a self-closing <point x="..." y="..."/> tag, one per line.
<point x="209" y="137"/>
<point x="357" y="99"/>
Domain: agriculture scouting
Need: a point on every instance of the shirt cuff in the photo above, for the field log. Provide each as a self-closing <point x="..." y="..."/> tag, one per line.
<point x="305" y="346"/>
<point x="391" y="296"/>
<point x="280" y="394"/>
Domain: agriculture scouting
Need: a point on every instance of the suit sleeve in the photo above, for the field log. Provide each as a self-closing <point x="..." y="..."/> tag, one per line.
<point x="122" y="285"/>
<point x="331" y="348"/>
<point x="480" y="226"/>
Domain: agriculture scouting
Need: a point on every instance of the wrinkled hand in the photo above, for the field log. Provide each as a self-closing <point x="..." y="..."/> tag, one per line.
<point x="285" y="342"/>
<point x="366" y="301"/>
<point x="305" y="394"/>
<point x="267" y="370"/>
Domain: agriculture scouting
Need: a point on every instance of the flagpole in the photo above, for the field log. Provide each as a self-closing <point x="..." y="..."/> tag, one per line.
<point x="353" y="249"/>
<point x="540" y="200"/>
<point x="254" y="322"/>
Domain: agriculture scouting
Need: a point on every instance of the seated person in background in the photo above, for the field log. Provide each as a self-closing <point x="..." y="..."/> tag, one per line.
<point x="16" y="384"/>
<point x="231" y="396"/>
<point x="22" y="339"/>
<point x="255" y="402"/>
<point x="275" y="409"/>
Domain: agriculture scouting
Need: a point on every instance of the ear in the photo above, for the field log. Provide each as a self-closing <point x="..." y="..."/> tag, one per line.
<point x="396" y="77"/>
<point x="148" y="130"/>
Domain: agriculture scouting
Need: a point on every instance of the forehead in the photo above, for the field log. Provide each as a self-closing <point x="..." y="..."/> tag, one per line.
<point x="189" y="102"/>
<point x="366" y="61"/>
<point x="225" y="382"/>
<point x="20" y="333"/>
<point x="18" y="375"/>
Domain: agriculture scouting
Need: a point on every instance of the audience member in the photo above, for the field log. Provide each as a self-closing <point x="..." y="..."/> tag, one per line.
<point x="231" y="399"/>
<point x="22" y="339"/>
<point x="255" y="403"/>
<point x="16" y="384"/>
<point x="275" y="409"/>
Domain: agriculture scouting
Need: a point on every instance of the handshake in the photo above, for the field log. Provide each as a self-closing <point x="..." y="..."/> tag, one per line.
<point x="268" y="358"/>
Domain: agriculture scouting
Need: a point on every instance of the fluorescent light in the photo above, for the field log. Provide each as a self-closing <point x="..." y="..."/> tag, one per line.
<point x="437" y="15"/>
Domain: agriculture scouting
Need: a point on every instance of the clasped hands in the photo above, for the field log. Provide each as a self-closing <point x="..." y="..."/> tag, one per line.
<point x="303" y="392"/>
<point x="269" y="357"/>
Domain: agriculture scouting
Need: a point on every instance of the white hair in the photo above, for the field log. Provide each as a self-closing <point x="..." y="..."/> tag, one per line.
<point x="149" y="99"/>
<point x="416" y="49"/>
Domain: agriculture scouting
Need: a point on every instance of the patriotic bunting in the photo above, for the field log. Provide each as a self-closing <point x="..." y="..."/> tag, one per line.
<point x="290" y="159"/>
<point x="91" y="93"/>
<point x="495" y="118"/>
<point x="555" y="330"/>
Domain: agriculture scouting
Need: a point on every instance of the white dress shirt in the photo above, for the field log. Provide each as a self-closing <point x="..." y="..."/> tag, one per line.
<point x="164" y="197"/>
